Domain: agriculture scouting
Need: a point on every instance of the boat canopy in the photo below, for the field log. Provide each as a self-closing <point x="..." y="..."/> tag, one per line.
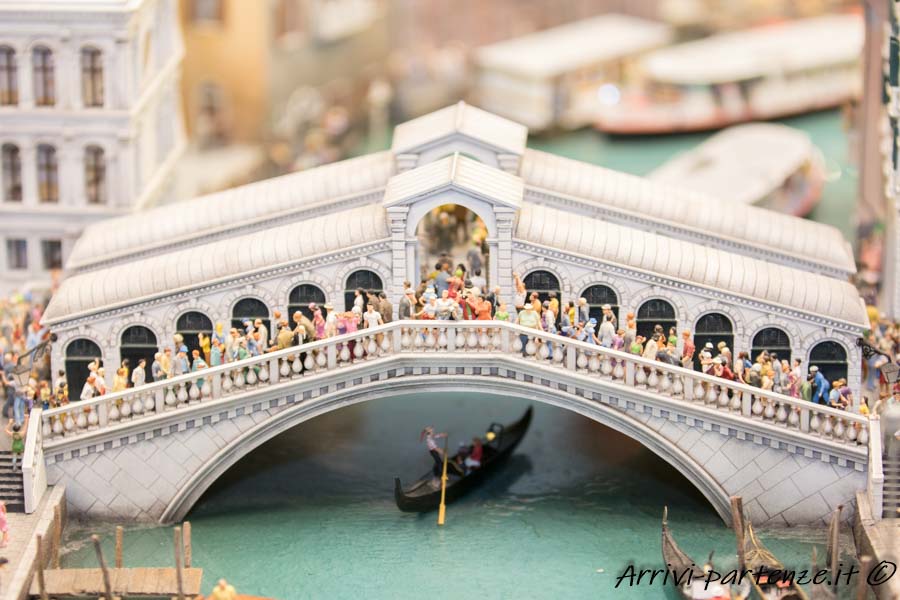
<point x="570" y="47"/>
<point x="741" y="164"/>
<point x="783" y="47"/>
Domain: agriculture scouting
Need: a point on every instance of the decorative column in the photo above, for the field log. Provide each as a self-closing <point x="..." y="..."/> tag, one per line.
<point x="501" y="263"/>
<point x="70" y="177"/>
<point x="400" y="259"/>
<point x="26" y="81"/>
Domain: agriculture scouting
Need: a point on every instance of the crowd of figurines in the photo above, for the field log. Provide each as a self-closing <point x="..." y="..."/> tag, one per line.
<point x="447" y="293"/>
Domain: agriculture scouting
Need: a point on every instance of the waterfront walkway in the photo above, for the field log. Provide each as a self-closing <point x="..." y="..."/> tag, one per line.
<point x="22" y="548"/>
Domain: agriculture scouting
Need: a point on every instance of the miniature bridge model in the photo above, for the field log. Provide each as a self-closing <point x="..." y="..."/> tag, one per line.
<point x="152" y="451"/>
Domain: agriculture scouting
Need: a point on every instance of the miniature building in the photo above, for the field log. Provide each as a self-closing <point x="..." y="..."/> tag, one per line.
<point x="89" y="122"/>
<point x="755" y="279"/>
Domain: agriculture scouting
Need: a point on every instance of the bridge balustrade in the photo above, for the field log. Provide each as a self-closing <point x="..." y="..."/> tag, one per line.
<point x="554" y="353"/>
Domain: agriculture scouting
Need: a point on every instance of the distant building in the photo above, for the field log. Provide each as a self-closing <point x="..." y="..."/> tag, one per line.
<point x="248" y="64"/>
<point x="90" y="123"/>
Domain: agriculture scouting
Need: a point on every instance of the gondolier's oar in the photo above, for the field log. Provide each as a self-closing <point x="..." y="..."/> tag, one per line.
<point x="442" y="511"/>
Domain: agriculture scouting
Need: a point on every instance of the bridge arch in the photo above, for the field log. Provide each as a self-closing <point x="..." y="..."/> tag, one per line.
<point x="192" y="490"/>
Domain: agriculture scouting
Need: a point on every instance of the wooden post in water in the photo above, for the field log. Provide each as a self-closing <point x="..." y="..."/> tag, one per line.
<point x="862" y="584"/>
<point x="119" y="536"/>
<point x="57" y="536"/>
<point x="188" y="552"/>
<point x="834" y="551"/>
<point x="737" y="523"/>
<point x="42" y="587"/>
<point x="107" y="588"/>
<point x="178" y="574"/>
<point x="442" y="510"/>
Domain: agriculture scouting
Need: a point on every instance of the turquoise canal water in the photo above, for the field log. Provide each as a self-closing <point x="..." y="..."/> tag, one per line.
<point x="310" y="514"/>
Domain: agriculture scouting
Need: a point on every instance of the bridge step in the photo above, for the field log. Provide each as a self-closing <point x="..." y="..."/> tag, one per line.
<point x="12" y="489"/>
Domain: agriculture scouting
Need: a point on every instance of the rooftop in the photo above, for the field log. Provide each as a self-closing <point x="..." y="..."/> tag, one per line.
<point x="790" y="46"/>
<point x="792" y="236"/>
<point x="181" y="270"/>
<point x="575" y="45"/>
<point x="464" y="119"/>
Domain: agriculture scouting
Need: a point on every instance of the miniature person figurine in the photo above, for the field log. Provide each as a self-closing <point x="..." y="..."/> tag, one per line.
<point x="14" y="431"/>
<point x="205" y="345"/>
<point x="407" y="305"/>
<point x="215" y="353"/>
<point x="687" y="349"/>
<point x="223" y="591"/>
<point x="119" y="381"/>
<point x="139" y="375"/>
<point x="156" y="368"/>
<point x="4" y="525"/>
<point x="219" y="334"/>
<point x="330" y="321"/>
<point x="263" y="332"/>
<point x="820" y="386"/>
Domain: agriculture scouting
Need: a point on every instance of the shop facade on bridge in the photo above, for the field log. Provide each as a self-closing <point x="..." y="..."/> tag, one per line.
<point x="754" y="279"/>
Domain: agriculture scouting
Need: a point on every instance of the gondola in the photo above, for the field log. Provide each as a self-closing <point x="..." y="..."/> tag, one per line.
<point x="756" y="558"/>
<point x="425" y="494"/>
<point x="680" y="564"/>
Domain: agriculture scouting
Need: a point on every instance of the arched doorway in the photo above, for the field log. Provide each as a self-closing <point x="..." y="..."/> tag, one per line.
<point x="597" y="296"/>
<point x="189" y="325"/>
<point x="712" y="328"/>
<point x="138" y="342"/>
<point x="453" y="234"/>
<point x="772" y="340"/>
<point x="542" y="282"/>
<point x="653" y="312"/>
<point x="831" y="358"/>
<point x="250" y="309"/>
<point x="79" y="353"/>
<point x="300" y="298"/>
<point x="364" y="279"/>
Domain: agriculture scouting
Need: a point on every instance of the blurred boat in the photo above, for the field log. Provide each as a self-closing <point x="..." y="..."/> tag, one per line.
<point x="768" y="72"/>
<point x="766" y="164"/>
<point x="556" y="77"/>
<point x="760" y="560"/>
<point x="692" y="577"/>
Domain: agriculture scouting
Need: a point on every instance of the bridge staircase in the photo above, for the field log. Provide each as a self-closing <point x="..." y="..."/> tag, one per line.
<point x="891" y="498"/>
<point x="12" y="489"/>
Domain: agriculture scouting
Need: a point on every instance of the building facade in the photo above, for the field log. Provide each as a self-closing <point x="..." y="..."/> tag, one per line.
<point x="752" y="278"/>
<point x="90" y="123"/>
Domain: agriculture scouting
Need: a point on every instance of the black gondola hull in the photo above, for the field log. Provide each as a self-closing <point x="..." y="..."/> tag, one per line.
<point x="424" y="497"/>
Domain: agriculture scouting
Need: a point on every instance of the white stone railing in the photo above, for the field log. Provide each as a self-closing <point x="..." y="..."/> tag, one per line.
<point x="875" y="479"/>
<point x="675" y="384"/>
<point x="34" y="471"/>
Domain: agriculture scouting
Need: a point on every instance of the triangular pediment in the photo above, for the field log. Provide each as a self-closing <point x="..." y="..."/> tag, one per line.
<point x="460" y="122"/>
<point x="459" y="173"/>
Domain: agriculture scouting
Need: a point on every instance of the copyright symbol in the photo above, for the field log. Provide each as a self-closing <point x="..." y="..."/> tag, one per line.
<point x="881" y="573"/>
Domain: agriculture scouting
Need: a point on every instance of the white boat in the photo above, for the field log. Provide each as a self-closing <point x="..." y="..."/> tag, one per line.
<point x="766" y="164"/>
<point x="553" y="78"/>
<point x="762" y="73"/>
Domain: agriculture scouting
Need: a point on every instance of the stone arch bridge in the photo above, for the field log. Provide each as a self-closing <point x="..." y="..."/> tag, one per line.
<point x="151" y="452"/>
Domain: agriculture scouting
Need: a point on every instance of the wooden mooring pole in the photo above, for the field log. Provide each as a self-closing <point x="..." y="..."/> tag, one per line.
<point x="120" y="532"/>
<point x="42" y="586"/>
<point x="737" y="522"/>
<point x="107" y="587"/>
<point x="178" y="573"/>
<point x="57" y="536"/>
<point x="188" y="551"/>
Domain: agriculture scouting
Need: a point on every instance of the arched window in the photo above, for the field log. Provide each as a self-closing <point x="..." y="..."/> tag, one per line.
<point x="79" y="353"/>
<point x="94" y="175"/>
<point x="138" y="342"/>
<point x="43" y="76"/>
<point x="366" y="280"/>
<point x="652" y="313"/>
<point x="12" y="173"/>
<point x="48" y="182"/>
<point x="301" y="296"/>
<point x="597" y="296"/>
<point x="831" y="358"/>
<point x="542" y="282"/>
<point x="712" y="328"/>
<point x="91" y="77"/>
<point x="189" y="325"/>
<point x="9" y="77"/>
<point x="772" y="340"/>
<point x="250" y="309"/>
